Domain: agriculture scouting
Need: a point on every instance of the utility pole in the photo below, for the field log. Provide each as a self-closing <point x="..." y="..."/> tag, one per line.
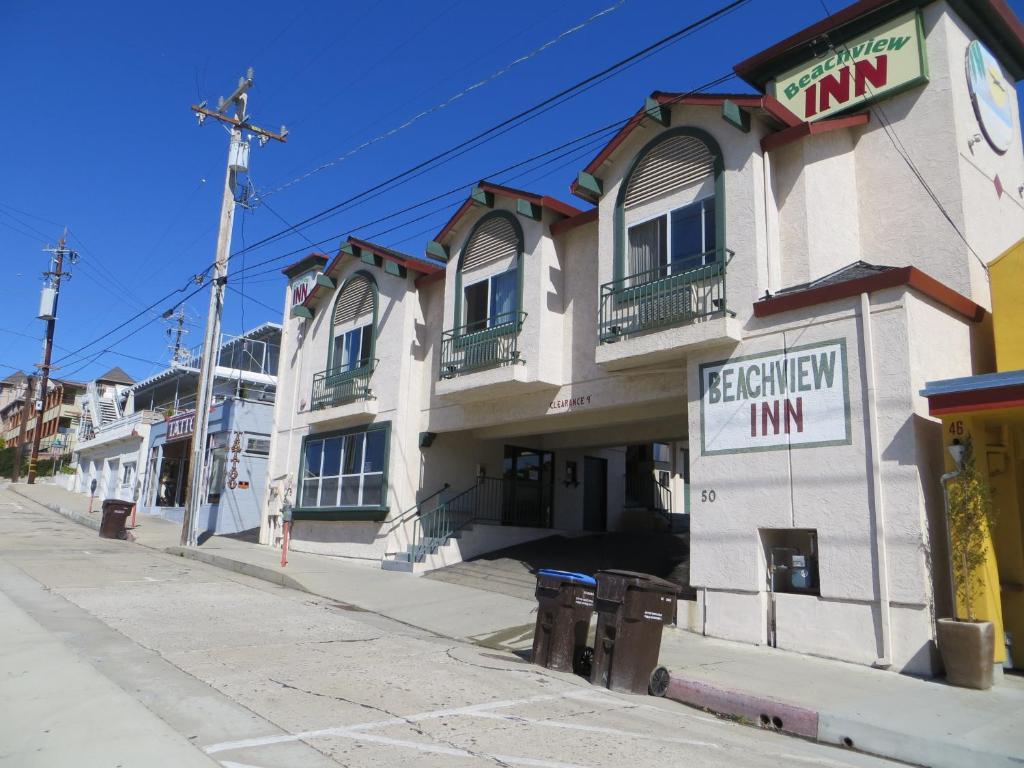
<point x="238" y="162"/>
<point x="48" y="312"/>
<point x="26" y="414"/>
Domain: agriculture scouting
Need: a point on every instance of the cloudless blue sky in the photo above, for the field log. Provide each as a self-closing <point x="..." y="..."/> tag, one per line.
<point x="98" y="134"/>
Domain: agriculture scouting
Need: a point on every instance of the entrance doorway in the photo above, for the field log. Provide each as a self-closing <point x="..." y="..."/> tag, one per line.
<point x="529" y="487"/>
<point x="173" y="474"/>
<point x="595" y="494"/>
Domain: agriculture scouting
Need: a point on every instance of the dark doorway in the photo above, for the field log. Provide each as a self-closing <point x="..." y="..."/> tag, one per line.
<point x="529" y="487"/>
<point x="595" y="494"/>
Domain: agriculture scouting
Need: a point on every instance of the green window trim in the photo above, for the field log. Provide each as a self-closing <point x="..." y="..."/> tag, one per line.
<point x="458" y="321"/>
<point x="375" y="292"/>
<point x="370" y="513"/>
<point x="619" y="217"/>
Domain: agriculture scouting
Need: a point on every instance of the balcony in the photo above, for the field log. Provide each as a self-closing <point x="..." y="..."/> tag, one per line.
<point x="654" y="316"/>
<point x="343" y="394"/>
<point x="124" y="428"/>
<point x="479" y="362"/>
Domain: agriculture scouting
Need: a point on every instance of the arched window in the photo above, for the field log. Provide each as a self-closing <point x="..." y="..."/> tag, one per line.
<point x="353" y="325"/>
<point x="489" y="274"/>
<point x="670" y="209"/>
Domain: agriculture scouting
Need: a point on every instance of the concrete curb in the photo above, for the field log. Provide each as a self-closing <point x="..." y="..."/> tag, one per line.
<point x="247" y="569"/>
<point x="832" y="729"/>
<point x="766" y="713"/>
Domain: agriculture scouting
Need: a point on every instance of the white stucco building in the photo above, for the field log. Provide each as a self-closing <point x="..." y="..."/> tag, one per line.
<point x="733" y="336"/>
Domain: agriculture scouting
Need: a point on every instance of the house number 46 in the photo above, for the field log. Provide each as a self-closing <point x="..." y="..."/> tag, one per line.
<point x="707" y="495"/>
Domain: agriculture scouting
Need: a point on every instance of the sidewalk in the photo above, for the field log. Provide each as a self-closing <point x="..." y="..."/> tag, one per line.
<point x="918" y="721"/>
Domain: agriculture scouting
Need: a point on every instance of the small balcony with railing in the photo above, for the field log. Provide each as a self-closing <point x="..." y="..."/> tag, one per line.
<point x="343" y="393"/>
<point x="486" y="358"/>
<point x="665" y="312"/>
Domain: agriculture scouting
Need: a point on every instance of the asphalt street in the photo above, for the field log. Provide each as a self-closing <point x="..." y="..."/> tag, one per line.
<point x="117" y="655"/>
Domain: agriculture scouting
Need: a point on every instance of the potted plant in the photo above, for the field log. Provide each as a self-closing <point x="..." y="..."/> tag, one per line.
<point x="967" y="644"/>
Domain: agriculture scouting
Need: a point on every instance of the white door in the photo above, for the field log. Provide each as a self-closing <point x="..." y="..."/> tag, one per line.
<point x="113" y="478"/>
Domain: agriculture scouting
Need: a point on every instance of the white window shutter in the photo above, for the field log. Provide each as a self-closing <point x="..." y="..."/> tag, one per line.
<point x="674" y="163"/>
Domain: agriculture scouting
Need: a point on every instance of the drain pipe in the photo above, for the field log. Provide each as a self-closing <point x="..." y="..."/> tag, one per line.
<point x="878" y="507"/>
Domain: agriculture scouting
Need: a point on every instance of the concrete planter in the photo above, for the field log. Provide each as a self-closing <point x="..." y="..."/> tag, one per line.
<point x="967" y="648"/>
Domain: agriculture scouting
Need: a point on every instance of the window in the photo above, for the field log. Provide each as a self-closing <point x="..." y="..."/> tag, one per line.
<point x="354" y="322"/>
<point x="351" y="349"/>
<point x="257" y="446"/>
<point x="674" y="242"/>
<point x="490" y="302"/>
<point x="128" y="474"/>
<point x="344" y="470"/>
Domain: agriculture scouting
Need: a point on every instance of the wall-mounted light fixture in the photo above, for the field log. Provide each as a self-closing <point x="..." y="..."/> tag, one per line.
<point x="975" y="139"/>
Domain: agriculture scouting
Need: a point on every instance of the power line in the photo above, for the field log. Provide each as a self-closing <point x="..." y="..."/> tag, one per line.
<point x="611" y="127"/>
<point x="514" y="121"/>
<point x="448" y="101"/>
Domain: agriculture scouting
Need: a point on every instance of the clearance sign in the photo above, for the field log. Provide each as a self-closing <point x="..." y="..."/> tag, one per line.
<point x="879" y="63"/>
<point x="797" y="398"/>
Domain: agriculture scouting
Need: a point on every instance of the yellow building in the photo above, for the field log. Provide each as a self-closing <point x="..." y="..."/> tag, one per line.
<point x="989" y="409"/>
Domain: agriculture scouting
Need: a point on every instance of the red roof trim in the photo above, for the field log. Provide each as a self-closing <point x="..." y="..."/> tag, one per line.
<point x="977" y="400"/>
<point x="908" y="276"/>
<point x="544" y="201"/>
<point x="769" y="104"/>
<point x="563" y="226"/>
<point x="403" y="260"/>
<point x="803" y="130"/>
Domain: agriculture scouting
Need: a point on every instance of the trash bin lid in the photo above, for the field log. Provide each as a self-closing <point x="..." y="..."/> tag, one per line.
<point x="568" y="576"/>
<point x="117" y="504"/>
<point x="634" y="580"/>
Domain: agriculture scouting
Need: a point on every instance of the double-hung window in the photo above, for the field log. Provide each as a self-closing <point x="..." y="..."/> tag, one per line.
<point x="490" y="302"/>
<point x="673" y="242"/>
<point x="344" y="471"/>
<point x="351" y="349"/>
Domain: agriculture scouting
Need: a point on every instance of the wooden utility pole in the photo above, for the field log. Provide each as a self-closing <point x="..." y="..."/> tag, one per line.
<point x="26" y="414"/>
<point x="48" y="312"/>
<point x="238" y="162"/>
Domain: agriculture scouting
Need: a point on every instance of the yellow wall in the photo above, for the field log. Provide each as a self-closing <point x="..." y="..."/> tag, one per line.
<point x="998" y="439"/>
<point x="1006" y="274"/>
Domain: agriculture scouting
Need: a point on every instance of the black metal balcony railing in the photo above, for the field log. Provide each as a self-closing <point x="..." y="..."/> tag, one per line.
<point x="476" y="346"/>
<point x="337" y="386"/>
<point x="663" y="297"/>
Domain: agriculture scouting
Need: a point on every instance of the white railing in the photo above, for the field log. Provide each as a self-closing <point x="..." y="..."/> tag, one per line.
<point x="238" y="353"/>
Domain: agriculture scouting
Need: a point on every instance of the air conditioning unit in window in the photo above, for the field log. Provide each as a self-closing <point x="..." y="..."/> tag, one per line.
<point x="667" y="308"/>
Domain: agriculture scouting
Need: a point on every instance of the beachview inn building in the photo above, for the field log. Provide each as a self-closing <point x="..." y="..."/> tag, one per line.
<point x="727" y="333"/>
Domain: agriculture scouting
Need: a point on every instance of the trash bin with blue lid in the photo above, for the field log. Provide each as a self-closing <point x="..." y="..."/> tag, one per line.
<point x="565" y="603"/>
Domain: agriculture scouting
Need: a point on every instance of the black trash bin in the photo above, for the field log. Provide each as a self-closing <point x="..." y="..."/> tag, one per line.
<point x="565" y="602"/>
<point x="115" y="514"/>
<point x="632" y="609"/>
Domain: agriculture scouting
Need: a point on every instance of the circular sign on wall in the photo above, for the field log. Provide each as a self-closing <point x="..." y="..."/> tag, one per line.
<point x="990" y="93"/>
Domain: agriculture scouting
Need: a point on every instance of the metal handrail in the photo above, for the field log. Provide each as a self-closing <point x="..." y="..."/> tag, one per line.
<point x="340" y="385"/>
<point x="483" y="344"/>
<point x="665" y="296"/>
<point x="487" y="501"/>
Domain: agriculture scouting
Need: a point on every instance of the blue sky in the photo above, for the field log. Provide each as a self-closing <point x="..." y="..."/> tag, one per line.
<point x="99" y="135"/>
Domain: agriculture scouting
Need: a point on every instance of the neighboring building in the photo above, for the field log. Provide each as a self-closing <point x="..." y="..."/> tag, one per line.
<point x="62" y="411"/>
<point x="239" y="433"/>
<point x="745" y="319"/>
<point x="988" y="410"/>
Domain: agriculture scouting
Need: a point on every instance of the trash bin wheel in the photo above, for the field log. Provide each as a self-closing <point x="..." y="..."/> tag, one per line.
<point x="584" y="661"/>
<point x="659" y="682"/>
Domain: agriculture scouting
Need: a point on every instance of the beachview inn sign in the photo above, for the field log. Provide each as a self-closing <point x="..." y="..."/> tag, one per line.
<point x="869" y="66"/>
<point x="793" y="398"/>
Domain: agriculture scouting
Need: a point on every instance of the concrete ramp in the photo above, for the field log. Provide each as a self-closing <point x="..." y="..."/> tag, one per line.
<point x="510" y="571"/>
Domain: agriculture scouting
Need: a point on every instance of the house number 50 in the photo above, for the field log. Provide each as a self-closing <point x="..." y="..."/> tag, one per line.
<point x="707" y="495"/>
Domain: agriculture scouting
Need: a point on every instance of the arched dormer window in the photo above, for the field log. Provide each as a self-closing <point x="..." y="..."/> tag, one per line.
<point x="670" y="208"/>
<point x="353" y="325"/>
<point x="489" y="278"/>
